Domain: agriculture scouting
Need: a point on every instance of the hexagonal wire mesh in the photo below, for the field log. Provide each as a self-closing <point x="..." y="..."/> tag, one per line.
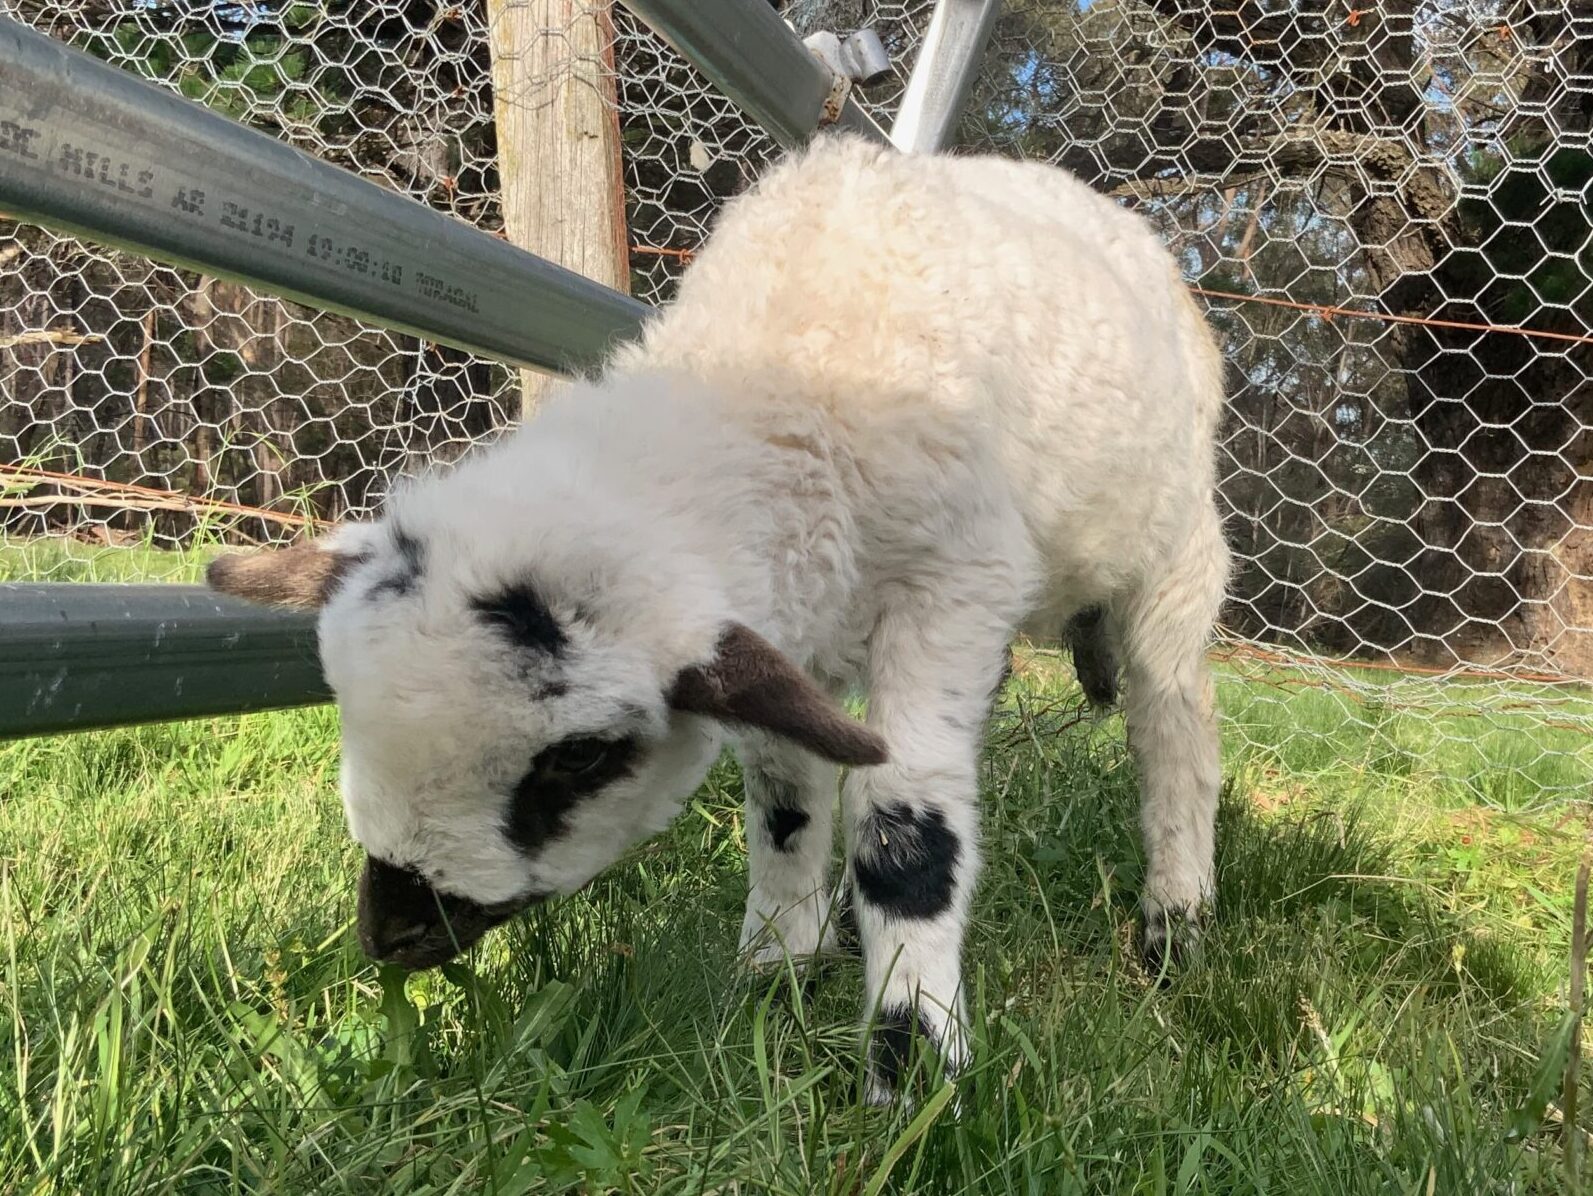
<point x="1412" y="497"/>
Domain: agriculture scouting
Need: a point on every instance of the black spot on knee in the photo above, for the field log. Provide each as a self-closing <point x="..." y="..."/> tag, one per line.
<point x="906" y="861"/>
<point x="782" y="822"/>
<point x="893" y="1043"/>
<point x="781" y="803"/>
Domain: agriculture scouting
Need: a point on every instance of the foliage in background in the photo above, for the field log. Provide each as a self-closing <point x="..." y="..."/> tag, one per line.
<point x="1393" y="490"/>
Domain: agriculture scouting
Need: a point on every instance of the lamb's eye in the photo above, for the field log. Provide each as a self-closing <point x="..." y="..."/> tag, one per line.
<point x="576" y="756"/>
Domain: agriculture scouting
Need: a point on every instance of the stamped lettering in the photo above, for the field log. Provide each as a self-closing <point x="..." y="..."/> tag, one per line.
<point x="455" y="296"/>
<point x="18" y="139"/>
<point x="190" y="200"/>
<point x="127" y="177"/>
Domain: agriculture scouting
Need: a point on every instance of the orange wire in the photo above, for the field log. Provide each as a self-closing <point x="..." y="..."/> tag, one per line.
<point x="684" y="255"/>
<point x="1326" y="311"/>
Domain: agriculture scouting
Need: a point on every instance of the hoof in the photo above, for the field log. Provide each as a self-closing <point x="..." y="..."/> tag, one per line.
<point x="1171" y="940"/>
<point x="890" y="1053"/>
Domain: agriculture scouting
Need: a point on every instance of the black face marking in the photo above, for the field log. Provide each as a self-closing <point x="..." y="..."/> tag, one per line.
<point x="893" y="1042"/>
<point x="410" y="561"/>
<point x="519" y="613"/>
<point x="906" y="861"/>
<point x="782" y="822"/>
<point x="559" y="778"/>
<point x="403" y="920"/>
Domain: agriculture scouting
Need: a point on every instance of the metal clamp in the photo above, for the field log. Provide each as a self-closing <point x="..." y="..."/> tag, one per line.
<point x="857" y="59"/>
<point x="860" y="56"/>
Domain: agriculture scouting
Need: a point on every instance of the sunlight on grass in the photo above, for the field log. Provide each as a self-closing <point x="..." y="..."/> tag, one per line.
<point x="183" y="1007"/>
<point x="55" y="559"/>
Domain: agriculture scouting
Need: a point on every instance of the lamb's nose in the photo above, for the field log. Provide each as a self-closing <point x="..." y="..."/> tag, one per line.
<point x="390" y="939"/>
<point x="397" y="909"/>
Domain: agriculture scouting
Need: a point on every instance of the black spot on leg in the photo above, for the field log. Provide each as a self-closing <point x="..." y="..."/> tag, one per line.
<point x="781" y="803"/>
<point x="906" y="860"/>
<point x="893" y="1042"/>
<point x="782" y="822"/>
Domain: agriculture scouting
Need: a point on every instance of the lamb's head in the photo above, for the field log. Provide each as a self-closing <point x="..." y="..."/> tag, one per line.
<point x="518" y="709"/>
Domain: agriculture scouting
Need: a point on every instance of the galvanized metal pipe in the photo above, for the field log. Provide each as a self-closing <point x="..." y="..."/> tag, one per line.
<point x="93" y="150"/>
<point x="948" y="63"/>
<point x="75" y="656"/>
<point x="745" y="50"/>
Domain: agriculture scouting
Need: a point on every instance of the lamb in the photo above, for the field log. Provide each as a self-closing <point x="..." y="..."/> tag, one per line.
<point x="903" y="409"/>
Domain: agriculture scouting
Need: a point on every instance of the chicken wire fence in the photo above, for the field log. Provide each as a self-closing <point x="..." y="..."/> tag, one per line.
<point x="1388" y="211"/>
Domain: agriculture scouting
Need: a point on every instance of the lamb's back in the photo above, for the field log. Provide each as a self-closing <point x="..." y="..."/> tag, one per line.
<point x="946" y="312"/>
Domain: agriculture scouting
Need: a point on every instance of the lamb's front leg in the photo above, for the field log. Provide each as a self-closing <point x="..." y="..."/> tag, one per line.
<point x="912" y="840"/>
<point x="790" y="813"/>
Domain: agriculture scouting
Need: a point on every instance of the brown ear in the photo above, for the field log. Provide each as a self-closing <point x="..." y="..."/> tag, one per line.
<point x="750" y="681"/>
<point x="302" y="576"/>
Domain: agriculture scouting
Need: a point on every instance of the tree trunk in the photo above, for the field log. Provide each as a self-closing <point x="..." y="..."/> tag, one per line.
<point x="1508" y="516"/>
<point x="1503" y="419"/>
<point x="1503" y="422"/>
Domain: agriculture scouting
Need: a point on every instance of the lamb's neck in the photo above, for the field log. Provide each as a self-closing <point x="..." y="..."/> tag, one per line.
<point x="761" y="510"/>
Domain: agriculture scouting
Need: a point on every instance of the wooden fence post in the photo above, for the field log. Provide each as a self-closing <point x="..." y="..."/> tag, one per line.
<point x="559" y="141"/>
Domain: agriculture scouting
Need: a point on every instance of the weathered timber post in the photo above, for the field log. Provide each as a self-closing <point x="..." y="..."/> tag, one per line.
<point x="558" y="141"/>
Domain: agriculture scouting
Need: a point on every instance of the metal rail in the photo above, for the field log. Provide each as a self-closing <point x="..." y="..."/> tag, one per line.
<point x="93" y="150"/>
<point x="751" y="55"/>
<point x="75" y="656"/>
<point x="948" y="63"/>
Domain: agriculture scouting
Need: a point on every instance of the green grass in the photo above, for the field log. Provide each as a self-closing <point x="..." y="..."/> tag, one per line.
<point x="57" y="559"/>
<point x="1379" y="1007"/>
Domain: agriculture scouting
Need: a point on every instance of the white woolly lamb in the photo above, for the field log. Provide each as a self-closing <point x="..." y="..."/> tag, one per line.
<point x="902" y="409"/>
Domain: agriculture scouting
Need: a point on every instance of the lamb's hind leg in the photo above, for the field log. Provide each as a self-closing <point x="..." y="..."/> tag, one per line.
<point x="1172" y="727"/>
